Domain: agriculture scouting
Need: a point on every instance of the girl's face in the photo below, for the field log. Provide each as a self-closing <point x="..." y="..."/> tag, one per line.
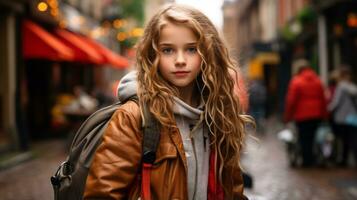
<point x="179" y="60"/>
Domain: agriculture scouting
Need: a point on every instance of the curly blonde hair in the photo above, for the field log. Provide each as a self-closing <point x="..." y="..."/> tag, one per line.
<point x="222" y="113"/>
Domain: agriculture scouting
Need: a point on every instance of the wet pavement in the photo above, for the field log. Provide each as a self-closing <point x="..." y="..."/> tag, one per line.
<point x="264" y="159"/>
<point x="31" y="180"/>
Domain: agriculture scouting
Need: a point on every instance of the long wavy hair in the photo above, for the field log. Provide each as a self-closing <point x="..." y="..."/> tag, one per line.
<point x="222" y="112"/>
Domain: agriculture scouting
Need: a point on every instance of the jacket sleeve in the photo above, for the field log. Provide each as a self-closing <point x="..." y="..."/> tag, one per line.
<point x="117" y="159"/>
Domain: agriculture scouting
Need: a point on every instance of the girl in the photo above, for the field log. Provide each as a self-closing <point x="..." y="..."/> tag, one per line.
<point x="184" y="77"/>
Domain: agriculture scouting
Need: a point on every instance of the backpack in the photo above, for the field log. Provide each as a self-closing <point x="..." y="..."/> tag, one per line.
<point x="70" y="178"/>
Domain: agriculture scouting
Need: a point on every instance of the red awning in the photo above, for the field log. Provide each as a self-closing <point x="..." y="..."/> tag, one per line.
<point x="66" y="46"/>
<point x="83" y="51"/>
<point x="110" y="57"/>
<point x="38" y="43"/>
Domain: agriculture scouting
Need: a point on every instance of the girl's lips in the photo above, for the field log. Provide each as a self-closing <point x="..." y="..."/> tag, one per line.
<point x="181" y="73"/>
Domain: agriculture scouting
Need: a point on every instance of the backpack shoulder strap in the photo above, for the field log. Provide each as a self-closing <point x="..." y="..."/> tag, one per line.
<point x="151" y="133"/>
<point x="151" y="139"/>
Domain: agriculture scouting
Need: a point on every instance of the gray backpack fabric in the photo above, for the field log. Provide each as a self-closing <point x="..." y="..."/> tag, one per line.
<point x="70" y="178"/>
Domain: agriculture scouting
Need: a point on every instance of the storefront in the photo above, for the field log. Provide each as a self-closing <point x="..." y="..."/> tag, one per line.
<point x="9" y="51"/>
<point x="57" y="60"/>
<point x="341" y="20"/>
<point x="39" y="59"/>
<point x="264" y="67"/>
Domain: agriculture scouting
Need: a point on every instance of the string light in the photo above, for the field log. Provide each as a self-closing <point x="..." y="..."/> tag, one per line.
<point x="352" y="20"/>
<point x="137" y="32"/>
<point x="117" y="23"/>
<point x="121" y="36"/>
<point x="42" y="6"/>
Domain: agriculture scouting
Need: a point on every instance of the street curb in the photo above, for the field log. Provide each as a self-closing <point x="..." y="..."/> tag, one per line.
<point x="16" y="159"/>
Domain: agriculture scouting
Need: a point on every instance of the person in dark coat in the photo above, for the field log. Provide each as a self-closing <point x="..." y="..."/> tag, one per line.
<point x="257" y="101"/>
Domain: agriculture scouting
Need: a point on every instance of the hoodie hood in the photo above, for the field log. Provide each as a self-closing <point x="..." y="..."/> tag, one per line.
<point x="348" y="87"/>
<point x="128" y="88"/>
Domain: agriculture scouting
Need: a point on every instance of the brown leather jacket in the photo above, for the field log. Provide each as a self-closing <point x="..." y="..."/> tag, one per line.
<point x="113" y="173"/>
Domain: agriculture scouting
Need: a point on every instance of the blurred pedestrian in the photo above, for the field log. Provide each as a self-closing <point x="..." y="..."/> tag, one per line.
<point x="82" y="103"/>
<point x="330" y="93"/>
<point x="184" y="78"/>
<point x="343" y="105"/>
<point x="103" y="95"/>
<point x="257" y="100"/>
<point x="332" y="84"/>
<point x="306" y="106"/>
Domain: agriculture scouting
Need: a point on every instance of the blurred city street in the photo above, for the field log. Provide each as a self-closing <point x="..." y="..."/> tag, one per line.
<point x="62" y="60"/>
<point x="30" y="180"/>
<point x="264" y="159"/>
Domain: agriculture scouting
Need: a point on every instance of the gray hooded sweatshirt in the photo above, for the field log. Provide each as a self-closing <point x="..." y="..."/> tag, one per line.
<point x="342" y="102"/>
<point x="196" y="144"/>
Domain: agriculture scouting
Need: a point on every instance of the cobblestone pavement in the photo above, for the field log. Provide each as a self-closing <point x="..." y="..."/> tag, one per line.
<point x="265" y="160"/>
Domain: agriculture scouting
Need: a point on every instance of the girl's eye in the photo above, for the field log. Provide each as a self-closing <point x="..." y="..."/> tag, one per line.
<point x="167" y="50"/>
<point x="192" y="49"/>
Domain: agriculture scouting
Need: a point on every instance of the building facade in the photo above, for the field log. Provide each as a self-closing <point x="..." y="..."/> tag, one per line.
<point x="251" y="27"/>
<point x="41" y="56"/>
<point x="10" y="12"/>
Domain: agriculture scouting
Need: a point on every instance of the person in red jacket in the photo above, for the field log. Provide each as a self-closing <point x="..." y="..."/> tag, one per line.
<point x="306" y="106"/>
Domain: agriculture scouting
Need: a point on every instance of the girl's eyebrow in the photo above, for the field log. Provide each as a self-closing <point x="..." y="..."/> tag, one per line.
<point x="165" y="44"/>
<point x="191" y="43"/>
<point x="170" y="44"/>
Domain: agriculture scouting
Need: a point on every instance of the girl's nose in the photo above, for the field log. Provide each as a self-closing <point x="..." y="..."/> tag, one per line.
<point x="180" y="59"/>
